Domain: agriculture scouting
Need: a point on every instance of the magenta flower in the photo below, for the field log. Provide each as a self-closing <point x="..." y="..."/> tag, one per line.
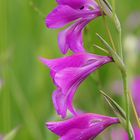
<point x="80" y="11"/>
<point x="82" y="127"/>
<point x="68" y="73"/>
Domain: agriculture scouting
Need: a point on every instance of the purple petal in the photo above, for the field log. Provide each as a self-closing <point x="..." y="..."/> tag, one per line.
<point x="68" y="73"/>
<point x="61" y="16"/>
<point x="75" y="60"/>
<point x="64" y="14"/>
<point x="72" y="37"/>
<point x="62" y="102"/>
<point x="82" y="127"/>
<point x="76" y="4"/>
<point x="71" y="77"/>
<point x="68" y="77"/>
<point x="59" y="101"/>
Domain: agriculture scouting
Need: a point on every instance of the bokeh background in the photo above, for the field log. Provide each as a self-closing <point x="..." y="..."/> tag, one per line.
<point x="25" y="85"/>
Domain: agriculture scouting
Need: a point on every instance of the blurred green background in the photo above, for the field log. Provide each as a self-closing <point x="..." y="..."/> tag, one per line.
<point x="25" y="94"/>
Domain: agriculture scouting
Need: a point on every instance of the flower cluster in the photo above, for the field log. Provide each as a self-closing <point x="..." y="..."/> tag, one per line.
<point x="69" y="72"/>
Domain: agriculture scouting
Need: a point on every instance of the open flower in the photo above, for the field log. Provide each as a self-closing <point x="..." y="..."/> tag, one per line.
<point x="82" y="127"/>
<point x="80" y="11"/>
<point x="68" y="73"/>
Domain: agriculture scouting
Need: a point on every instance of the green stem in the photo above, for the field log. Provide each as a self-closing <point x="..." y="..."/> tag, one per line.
<point x="119" y="29"/>
<point x="120" y="43"/>
<point x="121" y="54"/>
<point x="126" y="94"/>
<point x="125" y="84"/>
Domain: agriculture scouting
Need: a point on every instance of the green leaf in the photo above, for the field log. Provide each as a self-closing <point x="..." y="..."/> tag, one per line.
<point x="118" y="111"/>
<point x="98" y="47"/>
<point x="105" y="5"/>
<point x="115" y="56"/>
<point x="116" y="107"/>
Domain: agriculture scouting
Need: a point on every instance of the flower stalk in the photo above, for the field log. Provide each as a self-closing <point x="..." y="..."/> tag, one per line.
<point x="126" y="92"/>
<point x="122" y="56"/>
<point x="119" y="60"/>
